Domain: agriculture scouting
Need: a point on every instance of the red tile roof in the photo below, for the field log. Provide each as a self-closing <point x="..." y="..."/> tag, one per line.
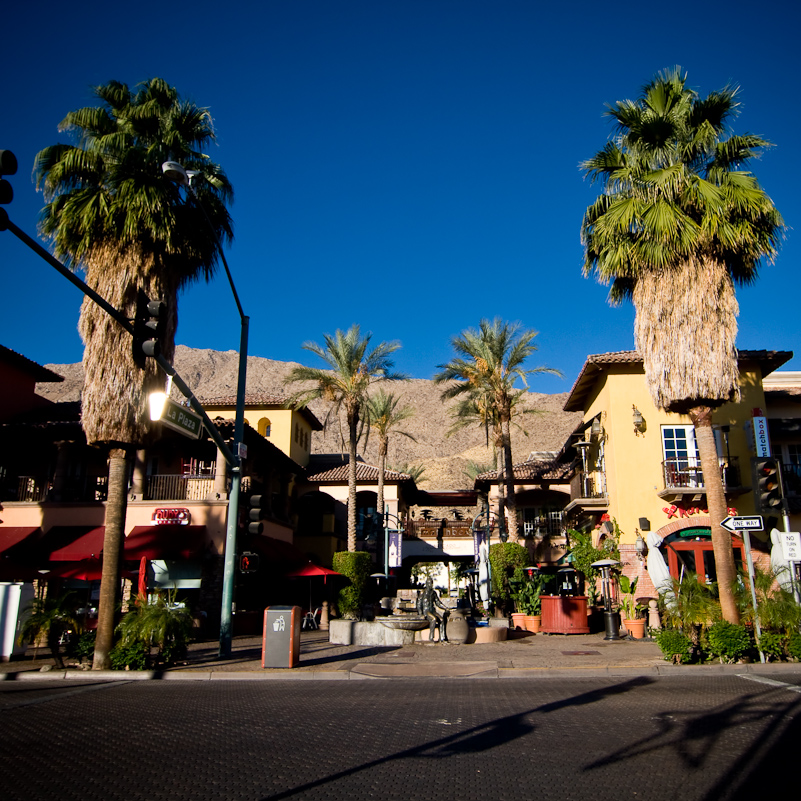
<point x="334" y="469"/>
<point x="532" y="471"/>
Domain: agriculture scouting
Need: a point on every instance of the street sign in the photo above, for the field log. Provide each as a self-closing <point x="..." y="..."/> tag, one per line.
<point x="749" y="523"/>
<point x="791" y="546"/>
<point x="181" y="419"/>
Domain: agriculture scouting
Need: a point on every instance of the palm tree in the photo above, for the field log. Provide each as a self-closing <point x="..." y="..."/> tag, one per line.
<point x="415" y="471"/>
<point x="678" y="225"/>
<point x="384" y="413"/>
<point x="353" y="368"/>
<point x="112" y="214"/>
<point x="485" y="371"/>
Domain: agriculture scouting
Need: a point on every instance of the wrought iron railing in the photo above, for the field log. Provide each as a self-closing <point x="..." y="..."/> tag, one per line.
<point x="163" y="487"/>
<point x="591" y="484"/>
<point x="687" y="473"/>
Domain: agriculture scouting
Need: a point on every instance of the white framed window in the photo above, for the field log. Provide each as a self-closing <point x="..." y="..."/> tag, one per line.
<point x="681" y="459"/>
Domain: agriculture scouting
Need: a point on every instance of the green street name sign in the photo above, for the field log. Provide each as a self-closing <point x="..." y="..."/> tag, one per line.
<point x="181" y="419"/>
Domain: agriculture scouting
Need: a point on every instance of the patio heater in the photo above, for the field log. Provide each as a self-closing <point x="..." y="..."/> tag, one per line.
<point x="611" y="618"/>
<point x="583" y="446"/>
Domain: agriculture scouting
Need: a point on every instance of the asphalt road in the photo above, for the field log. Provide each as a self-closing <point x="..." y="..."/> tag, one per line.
<point x="707" y="737"/>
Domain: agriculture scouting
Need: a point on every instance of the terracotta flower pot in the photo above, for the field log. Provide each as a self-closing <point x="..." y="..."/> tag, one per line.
<point x="518" y="620"/>
<point x="533" y="623"/>
<point x="636" y="628"/>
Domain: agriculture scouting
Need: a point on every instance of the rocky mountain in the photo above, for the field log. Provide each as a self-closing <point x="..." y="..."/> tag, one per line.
<point x="212" y="373"/>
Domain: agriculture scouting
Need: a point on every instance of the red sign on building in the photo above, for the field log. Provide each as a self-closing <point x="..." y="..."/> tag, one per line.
<point x="171" y="517"/>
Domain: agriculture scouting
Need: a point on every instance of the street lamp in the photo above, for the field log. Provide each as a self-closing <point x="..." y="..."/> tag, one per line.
<point x="176" y="173"/>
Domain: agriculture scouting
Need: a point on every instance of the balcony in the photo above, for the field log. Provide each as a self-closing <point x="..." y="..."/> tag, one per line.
<point x="165" y="487"/>
<point x="588" y="491"/>
<point x="684" y="480"/>
<point x="39" y="489"/>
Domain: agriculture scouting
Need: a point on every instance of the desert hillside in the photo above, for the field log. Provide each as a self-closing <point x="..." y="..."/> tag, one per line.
<point x="212" y="373"/>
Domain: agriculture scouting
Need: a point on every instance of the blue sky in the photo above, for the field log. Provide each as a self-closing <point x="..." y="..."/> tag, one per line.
<point x="410" y="166"/>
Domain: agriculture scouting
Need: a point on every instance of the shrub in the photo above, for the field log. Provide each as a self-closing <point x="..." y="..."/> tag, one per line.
<point x="162" y="623"/>
<point x="772" y="645"/>
<point x="356" y="567"/>
<point x="728" y="641"/>
<point x="794" y="645"/>
<point x="507" y="560"/>
<point x="674" y="644"/>
<point x="133" y="656"/>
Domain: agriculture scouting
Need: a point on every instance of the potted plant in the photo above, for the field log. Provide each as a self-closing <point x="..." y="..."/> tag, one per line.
<point x="635" y="625"/>
<point x="528" y="599"/>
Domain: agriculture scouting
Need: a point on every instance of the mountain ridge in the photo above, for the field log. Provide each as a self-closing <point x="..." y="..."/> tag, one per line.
<point x="211" y="373"/>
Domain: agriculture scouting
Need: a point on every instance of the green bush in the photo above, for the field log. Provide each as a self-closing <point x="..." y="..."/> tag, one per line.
<point x="507" y="560"/>
<point x="83" y="647"/>
<point x="794" y="645"/>
<point x="772" y="645"/>
<point x="355" y="566"/>
<point x="162" y="623"/>
<point x="133" y="656"/>
<point x="674" y="645"/>
<point x="727" y="641"/>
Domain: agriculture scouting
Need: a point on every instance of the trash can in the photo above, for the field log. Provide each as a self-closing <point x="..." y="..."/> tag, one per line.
<point x="280" y="645"/>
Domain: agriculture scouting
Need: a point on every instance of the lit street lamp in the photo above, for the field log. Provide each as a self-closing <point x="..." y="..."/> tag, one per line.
<point x="175" y="172"/>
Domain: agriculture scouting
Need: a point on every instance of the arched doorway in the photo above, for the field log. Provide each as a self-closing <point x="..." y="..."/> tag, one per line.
<point x="689" y="549"/>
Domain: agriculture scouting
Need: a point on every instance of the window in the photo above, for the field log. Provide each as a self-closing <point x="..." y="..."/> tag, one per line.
<point x="541" y="521"/>
<point x="682" y="463"/>
<point x="264" y="426"/>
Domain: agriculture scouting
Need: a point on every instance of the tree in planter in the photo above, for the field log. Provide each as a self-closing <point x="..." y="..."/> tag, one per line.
<point x="161" y="623"/>
<point x="51" y="618"/>
<point x="527" y="591"/>
<point x="507" y="560"/>
<point x="356" y="566"/>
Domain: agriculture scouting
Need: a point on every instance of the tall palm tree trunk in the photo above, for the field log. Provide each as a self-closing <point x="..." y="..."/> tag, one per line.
<point x="509" y="479"/>
<point x="383" y="448"/>
<point x="116" y="506"/>
<point x="353" y="437"/>
<point x="716" y="503"/>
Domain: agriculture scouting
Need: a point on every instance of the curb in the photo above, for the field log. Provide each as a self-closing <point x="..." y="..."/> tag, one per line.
<point x="362" y="673"/>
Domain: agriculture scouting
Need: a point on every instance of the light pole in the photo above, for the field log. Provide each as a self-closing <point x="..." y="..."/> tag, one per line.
<point x="175" y="172"/>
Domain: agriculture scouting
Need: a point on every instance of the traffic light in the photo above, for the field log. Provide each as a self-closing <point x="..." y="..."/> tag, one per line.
<point x="257" y="513"/>
<point x="248" y="562"/>
<point x="8" y="166"/>
<point x="767" y="484"/>
<point x="149" y="324"/>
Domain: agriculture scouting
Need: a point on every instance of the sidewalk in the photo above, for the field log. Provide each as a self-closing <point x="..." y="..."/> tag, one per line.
<point x="530" y="656"/>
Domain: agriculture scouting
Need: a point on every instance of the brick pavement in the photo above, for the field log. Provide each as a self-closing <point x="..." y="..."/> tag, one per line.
<point x="534" y="655"/>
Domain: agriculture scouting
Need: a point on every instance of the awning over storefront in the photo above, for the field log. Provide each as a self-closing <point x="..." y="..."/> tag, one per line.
<point x="165" y="542"/>
<point x="73" y="543"/>
<point x="14" y="535"/>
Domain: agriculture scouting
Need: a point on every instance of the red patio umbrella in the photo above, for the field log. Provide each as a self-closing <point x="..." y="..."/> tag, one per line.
<point x="143" y="577"/>
<point x="310" y="570"/>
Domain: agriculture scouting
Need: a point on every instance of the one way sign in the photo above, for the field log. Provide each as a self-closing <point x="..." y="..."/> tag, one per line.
<point x="746" y="523"/>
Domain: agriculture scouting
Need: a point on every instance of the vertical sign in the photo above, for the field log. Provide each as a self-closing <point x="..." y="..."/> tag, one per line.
<point x="761" y="437"/>
<point x="791" y="546"/>
<point x="479" y="536"/>
<point x="395" y="548"/>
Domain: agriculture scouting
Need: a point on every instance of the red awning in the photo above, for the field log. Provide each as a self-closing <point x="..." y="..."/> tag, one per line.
<point x="13" y="535"/>
<point x="83" y="546"/>
<point x="165" y="542"/>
